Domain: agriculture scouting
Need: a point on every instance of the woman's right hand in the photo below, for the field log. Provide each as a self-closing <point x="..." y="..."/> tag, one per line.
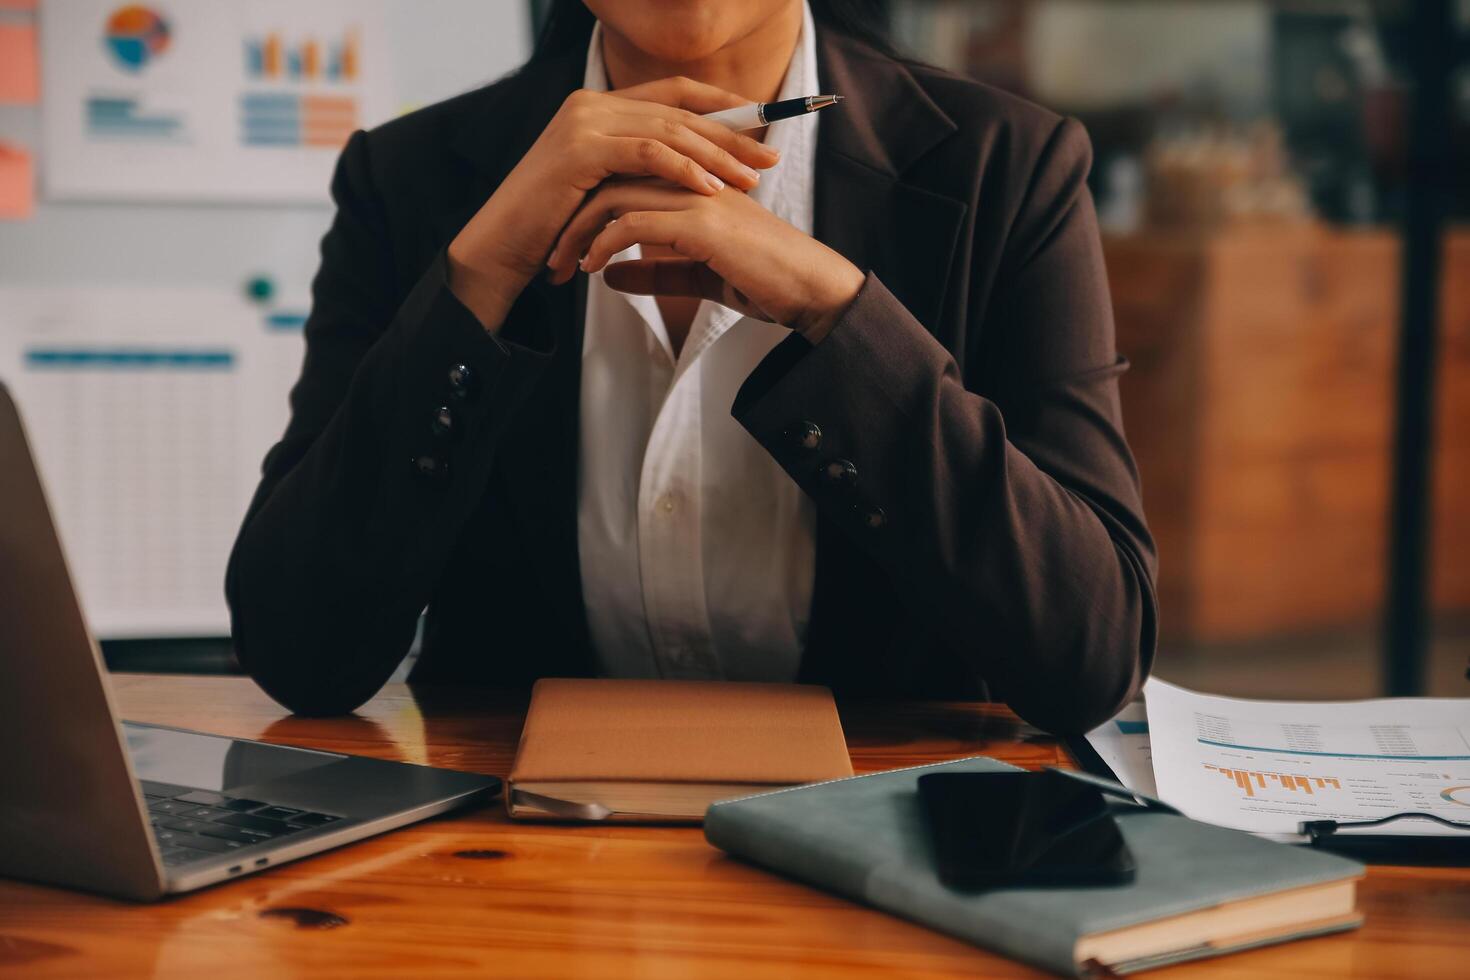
<point x="649" y="130"/>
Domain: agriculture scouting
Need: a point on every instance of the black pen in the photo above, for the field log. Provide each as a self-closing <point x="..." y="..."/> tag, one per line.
<point x="758" y="114"/>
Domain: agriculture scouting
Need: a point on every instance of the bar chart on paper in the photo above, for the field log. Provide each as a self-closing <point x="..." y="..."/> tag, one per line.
<point x="1267" y="766"/>
<point x="1248" y="781"/>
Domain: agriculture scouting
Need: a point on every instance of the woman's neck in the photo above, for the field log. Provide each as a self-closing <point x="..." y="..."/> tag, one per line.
<point x="752" y="66"/>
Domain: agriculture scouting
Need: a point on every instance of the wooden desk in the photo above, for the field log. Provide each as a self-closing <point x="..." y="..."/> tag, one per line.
<point x="474" y="895"/>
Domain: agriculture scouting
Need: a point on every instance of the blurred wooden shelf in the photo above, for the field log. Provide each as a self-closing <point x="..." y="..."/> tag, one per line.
<point x="1260" y="405"/>
<point x="1450" y="542"/>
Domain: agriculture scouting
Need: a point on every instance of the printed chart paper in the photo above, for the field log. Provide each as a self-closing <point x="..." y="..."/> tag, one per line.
<point x="1123" y="743"/>
<point x="1267" y="766"/>
<point x="149" y="412"/>
<point x="200" y="100"/>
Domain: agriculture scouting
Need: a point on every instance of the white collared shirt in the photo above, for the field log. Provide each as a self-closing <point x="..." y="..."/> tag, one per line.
<point x="697" y="550"/>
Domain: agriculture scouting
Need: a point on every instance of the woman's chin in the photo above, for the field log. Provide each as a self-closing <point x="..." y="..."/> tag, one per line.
<point x="673" y="45"/>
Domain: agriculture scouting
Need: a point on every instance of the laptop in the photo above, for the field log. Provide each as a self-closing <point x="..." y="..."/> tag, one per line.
<point x="142" y="811"/>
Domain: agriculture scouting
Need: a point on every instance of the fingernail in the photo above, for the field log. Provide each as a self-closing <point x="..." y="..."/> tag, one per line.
<point x="582" y="263"/>
<point x="752" y="173"/>
<point x="715" y="183"/>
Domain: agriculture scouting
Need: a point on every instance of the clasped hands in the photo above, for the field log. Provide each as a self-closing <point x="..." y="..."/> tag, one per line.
<point x="639" y="166"/>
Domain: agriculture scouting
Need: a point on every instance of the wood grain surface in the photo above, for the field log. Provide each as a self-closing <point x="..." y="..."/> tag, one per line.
<point x="474" y="895"/>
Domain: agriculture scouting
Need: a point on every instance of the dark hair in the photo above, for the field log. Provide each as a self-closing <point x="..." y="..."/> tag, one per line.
<point x="566" y="25"/>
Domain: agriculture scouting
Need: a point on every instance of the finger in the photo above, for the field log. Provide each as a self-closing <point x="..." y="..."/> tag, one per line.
<point x="680" y="277"/>
<point x="751" y="152"/>
<point x="684" y="93"/>
<point x="674" y="229"/>
<point x="665" y="277"/>
<point x="610" y="202"/>
<point x="671" y="130"/>
<point x="646" y="156"/>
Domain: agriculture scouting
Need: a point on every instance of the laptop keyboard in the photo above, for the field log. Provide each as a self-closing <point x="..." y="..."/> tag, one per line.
<point x="193" y="824"/>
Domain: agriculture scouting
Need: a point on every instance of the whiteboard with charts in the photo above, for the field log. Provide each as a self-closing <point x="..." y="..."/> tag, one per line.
<point x="202" y="100"/>
<point x="151" y="387"/>
<point x="149" y="412"/>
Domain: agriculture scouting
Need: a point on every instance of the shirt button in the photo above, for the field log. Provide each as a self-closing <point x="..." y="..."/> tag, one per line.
<point x="462" y="380"/>
<point x="666" y="503"/>
<point x="806" y="436"/>
<point x="839" y="474"/>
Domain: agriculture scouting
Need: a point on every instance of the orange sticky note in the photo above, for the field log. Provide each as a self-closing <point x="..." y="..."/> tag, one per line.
<point x="17" y="183"/>
<point x="20" y="75"/>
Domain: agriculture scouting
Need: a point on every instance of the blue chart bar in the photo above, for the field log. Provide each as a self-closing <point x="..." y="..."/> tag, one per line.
<point x="121" y="119"/>
<point x="271" y="119"/>
<point x="254" y="58"/>
<point x="1133" y="727"/>
<point x="129" y="358"/>
<point x="285" y="321"/>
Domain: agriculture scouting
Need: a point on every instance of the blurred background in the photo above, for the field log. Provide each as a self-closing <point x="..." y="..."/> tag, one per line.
<point x="1284" y="188"/>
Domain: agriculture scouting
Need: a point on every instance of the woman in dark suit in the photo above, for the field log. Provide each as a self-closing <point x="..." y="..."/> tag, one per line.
<point x="609" y="390"/>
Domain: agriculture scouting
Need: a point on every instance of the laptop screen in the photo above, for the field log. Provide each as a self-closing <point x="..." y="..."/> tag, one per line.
<point x="210" y="762"/>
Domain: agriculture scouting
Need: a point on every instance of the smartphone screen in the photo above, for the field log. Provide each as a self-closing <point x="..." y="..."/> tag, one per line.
<point x="993" y="829"/>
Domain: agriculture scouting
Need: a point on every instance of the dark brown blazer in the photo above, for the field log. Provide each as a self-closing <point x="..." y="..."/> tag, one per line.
<point x="980" y="531"/>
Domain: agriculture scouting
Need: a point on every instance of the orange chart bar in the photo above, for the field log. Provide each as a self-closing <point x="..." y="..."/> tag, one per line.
<point x="1248" y="780"/>
<point x="350" y="58"/>
<point x="310" y="60"/>
<point x="271" y="57"/>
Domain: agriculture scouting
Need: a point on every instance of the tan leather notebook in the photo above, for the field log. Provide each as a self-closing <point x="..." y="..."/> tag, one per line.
<point x="665" y="750"/>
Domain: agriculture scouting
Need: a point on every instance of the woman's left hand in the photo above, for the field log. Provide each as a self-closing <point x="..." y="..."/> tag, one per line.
<point x="729" y="249"/>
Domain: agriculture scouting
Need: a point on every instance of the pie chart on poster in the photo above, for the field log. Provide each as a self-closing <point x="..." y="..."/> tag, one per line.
<point x="136" y="35"/>
<point x="1456" y="794"/>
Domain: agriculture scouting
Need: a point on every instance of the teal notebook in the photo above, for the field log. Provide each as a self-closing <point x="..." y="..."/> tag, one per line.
<point x="1200" y="890"/>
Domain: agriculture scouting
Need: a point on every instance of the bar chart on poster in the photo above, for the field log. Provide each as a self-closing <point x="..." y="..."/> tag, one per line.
<point x="196" y="100"/>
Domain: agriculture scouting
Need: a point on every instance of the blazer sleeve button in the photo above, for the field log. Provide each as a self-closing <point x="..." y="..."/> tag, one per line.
<point x="442" y="424"/>
<point x="432" y="469"/>
<point x="805" y="436"/>
<point x="839" y="474"/>
<point x="462" y="381"/>
<point x="872" y="518"/>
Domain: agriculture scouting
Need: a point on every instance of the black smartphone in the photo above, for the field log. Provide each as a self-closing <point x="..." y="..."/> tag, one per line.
<point x="997" y="829"/>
